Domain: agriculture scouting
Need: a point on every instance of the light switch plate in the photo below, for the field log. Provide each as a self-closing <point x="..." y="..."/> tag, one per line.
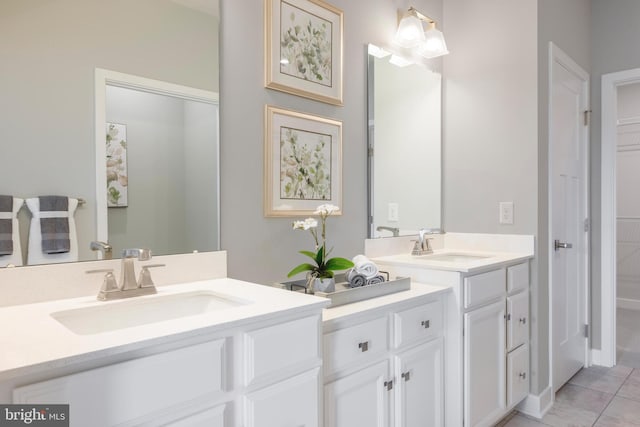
<point x="506" y="213"/>
<point x="392" y="214"/>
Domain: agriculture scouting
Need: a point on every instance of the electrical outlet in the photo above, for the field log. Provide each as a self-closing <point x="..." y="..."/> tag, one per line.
<point x="506" y="213"/>
<point x="392" y="214"/>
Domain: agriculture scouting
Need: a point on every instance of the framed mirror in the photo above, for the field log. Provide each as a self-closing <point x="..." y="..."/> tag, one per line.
<point x="405" y="144"/>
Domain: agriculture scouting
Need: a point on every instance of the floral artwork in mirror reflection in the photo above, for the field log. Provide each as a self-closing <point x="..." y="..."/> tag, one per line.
<point x="305" y="45"/>
<point x="117" y="177"/>
<point x="305" y="165"/>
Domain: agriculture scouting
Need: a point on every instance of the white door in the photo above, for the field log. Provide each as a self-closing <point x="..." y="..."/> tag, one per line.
<point x="484" y="365"/>
<point x="420" y="390"/>
<point x="359" y="399"/>
<point x="568" y="145"/>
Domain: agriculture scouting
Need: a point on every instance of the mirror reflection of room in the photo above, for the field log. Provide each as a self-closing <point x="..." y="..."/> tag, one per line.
<point x="50" y="132"/>
<point x="405" y="137"/>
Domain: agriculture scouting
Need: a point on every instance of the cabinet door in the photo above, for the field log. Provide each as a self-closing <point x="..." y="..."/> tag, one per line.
<point x="517" y="375"/>
<point x="359" y="399"/>
<point x="484" y="364"/>
<point x="419" y="391"/>
<point x="517" y="320"/>
<point x="293" y="402"/>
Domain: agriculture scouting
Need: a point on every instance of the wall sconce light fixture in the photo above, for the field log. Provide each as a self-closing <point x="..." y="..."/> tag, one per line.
<point x="411" y="35"/>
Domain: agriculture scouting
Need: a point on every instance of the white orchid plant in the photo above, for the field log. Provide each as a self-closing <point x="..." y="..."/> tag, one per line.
<point x="324" y="267"/>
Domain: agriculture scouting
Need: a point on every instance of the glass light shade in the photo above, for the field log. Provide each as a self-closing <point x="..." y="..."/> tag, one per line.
<point x="410" y="32"/>
<point x="433" y="44"/>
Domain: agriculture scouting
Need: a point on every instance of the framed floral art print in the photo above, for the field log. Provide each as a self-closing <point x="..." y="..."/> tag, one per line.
<point x="303" y="49"/>
<point x="302" y="162"/>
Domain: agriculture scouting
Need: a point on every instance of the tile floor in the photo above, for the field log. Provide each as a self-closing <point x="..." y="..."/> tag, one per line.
<point x="596" y="396"/>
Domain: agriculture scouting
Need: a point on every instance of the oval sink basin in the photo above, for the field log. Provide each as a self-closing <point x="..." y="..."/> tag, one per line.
<point x="139" y="311"/>
<point x="456" y="257"/>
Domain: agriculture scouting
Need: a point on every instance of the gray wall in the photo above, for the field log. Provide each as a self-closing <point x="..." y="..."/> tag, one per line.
<point x="491" y="132"/>
<point x="49" y="50"/>
<point x="265" y="249"/>
<point x="614" y="40"/>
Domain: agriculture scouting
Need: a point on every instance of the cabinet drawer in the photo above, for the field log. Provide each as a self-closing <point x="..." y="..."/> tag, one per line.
<point x="518" y="277"/>
<point x="483" y="287"/>
<point x="136" y="391"/>
<point x="517" y="320"/>
<point x="418" y="323"/>
<point x="355" y="344"/>
<point x="275" y="350"/>
<point x="517" y="375"/>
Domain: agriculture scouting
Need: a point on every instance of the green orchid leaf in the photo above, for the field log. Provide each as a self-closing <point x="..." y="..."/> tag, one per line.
<point x="300" y="269"/>
<point x="320" y="256"/>
<point x="310" y="254"/>
<point x="338" y="264"/>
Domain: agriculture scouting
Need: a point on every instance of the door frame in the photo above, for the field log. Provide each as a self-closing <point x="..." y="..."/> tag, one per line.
<point x="559" y="57"/>
<point x="608" y="228"/>
<point x="104" y="78"/>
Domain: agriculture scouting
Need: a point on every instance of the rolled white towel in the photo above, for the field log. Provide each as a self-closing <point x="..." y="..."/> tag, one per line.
<point x="365" y="266"/>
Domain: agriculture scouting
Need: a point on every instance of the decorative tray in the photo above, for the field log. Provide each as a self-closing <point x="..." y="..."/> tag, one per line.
<point x="346" y="295"/>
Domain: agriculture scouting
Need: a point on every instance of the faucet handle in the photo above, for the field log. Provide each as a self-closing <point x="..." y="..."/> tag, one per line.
<point x="109" y="283"/>
<point x="144" y="280"/>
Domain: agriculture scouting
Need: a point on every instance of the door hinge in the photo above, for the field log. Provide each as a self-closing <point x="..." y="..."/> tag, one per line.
<point x="370" y="151"/>
<point x="587" y="224"/>
<point x="587" y="114"/>
<point x="586" y="331"/>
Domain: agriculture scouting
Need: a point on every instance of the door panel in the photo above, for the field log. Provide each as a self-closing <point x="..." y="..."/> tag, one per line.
<point x="484" y="364"/>
<point x="359" y="399"/>
<point x="568" y="165"/>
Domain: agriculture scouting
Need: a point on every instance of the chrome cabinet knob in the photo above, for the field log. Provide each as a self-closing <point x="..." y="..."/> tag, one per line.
<point x="557" y="245"/>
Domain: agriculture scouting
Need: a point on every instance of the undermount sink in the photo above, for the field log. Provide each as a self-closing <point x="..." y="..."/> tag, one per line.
<point x="116" y="315"/>
<point x="456" y="257"/>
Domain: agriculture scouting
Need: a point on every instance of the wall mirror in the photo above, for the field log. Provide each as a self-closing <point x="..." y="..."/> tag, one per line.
<point x="405" y="121"/>
<point x="51" y="51"/>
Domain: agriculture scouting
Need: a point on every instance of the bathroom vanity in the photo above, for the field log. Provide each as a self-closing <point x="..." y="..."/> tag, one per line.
<point x="217" y="352"/>
<point x="487" y="317"/>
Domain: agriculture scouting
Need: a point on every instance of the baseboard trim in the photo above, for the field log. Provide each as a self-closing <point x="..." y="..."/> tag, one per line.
<point x="537" y="406"/>
<point x="630" y="304"/>
<point x="596" y="357"/>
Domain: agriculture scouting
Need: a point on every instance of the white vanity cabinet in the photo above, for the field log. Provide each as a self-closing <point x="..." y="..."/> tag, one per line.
<point x="496" y="334"/>
<point x="487" y="337"/>
<point x="384" y="365"/>
<point x="260" y="374"/>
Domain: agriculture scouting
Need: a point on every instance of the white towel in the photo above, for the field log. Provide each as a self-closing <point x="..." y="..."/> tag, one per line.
<point x="16" y="257"/>
<point x="365" y="266"/>
<point x="35" y="255"/>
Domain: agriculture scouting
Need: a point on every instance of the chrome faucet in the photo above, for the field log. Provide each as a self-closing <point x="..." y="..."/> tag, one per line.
<point x="423" y="244"/>
<point x="128" y="287"/>
<point x="394" y="230"/>
<point x="105" y="248"/>
<point x="127" y="272"/>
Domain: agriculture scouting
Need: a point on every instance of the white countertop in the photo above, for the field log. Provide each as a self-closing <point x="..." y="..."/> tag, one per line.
<point x="32" y="341"/>
<point x="418" y="290"/>
<point x="493" y="260"/>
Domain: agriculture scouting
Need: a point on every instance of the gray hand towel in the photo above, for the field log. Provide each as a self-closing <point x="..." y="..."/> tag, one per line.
<point x="6" y="226"/>
<point x="55" y="231"/>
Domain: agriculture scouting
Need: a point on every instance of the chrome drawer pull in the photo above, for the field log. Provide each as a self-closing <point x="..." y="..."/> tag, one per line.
<point x="388" y="384"/>
<point x="406" y="376"/>
<point x="523" y="320"/>
<point x="364" y="346"/>
<point x="523" y="375"/>
<point x="426" y="324"/>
